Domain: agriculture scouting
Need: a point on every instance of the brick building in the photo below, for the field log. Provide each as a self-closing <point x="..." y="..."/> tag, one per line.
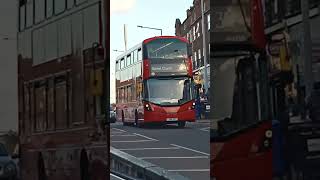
<point x="191" y="29"/>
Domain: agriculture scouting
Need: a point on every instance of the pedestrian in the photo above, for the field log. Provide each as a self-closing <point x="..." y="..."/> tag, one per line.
<point x="198" y="108"/>
<point x="313" y="103"/>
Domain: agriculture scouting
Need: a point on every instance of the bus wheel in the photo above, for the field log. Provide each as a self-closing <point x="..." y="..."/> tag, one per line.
<point x="181" y="124"/>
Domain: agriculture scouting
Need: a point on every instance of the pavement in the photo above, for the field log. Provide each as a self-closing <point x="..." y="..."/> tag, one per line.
<point x="181" y="150"/>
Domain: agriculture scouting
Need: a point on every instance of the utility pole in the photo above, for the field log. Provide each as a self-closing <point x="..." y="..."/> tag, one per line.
<point x="307" y="44"/>
<point x="204" y="48"/>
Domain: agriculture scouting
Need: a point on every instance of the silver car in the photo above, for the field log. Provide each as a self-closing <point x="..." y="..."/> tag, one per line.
<point x="8" y="168"/>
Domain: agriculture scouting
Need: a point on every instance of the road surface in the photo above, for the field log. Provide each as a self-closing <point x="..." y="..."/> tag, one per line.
<point x="185" y="151"/>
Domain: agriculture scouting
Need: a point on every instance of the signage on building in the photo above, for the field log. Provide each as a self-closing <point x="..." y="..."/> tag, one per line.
<point x="227" y="26"/>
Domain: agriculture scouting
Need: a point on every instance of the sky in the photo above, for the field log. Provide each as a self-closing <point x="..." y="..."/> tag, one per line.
<point x="151" y="13"/>
<point x="8" y="66"/>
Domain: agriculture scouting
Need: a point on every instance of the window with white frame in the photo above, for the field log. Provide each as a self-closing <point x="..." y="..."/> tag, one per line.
<point x="198" y="30"/>
<point x="194" y="32"/>
<point x="208" y="21"/>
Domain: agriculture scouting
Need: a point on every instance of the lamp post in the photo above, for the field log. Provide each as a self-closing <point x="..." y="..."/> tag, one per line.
<point x="150" y="28"/>
<point x="204" y="44"/>
<point x="116" y="50"/>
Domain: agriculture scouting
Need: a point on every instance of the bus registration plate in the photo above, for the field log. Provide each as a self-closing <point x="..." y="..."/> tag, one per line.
<point x="172" y="119"/>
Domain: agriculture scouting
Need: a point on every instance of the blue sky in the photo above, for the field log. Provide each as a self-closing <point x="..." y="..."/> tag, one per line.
<point x="151" y="13"/>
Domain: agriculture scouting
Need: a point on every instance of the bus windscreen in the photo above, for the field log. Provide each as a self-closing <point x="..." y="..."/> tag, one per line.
<point x="168" y="48"/>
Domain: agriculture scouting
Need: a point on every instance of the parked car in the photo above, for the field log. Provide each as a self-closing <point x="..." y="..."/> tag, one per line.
<point x="8" y="167"/>
<point x="113" y="118"/>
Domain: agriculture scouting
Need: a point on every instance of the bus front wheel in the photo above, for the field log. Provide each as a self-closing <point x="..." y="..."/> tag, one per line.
<point x="181" y="124"/>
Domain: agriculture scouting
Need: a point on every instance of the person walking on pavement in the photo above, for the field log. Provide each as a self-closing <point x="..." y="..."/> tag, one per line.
<point x="313" y="103"/>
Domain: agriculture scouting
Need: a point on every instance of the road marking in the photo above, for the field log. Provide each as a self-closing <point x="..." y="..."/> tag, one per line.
<point x="190" y="149"/>
<point x="132" y="141"/>
<point x="113" y="175"/>
<point x="117" y="132"/>
<point x="138" y="149"/>
<point x="146" y="137"/>
<point x="119" y="129"/>
<point x="123" y="135"/>
<point x="189" y="170"/>
<point x="207" y="129"/>
<point x="188" y="157"/>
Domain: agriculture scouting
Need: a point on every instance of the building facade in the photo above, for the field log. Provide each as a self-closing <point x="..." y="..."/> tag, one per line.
<point x="191" y="29"/>
<point x="285" y="16"/>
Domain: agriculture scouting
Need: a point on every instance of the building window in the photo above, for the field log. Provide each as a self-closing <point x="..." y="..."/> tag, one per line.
<point x="59" y="6"/>
<point x="194" y="32"/>
<point x="49" y="8"/>
<point x="198" y="30"/>
<point x="29" y="13"/>
<point x="208" y="21"/>
<point x="22" y="15"/>
<point x="39" y="6"/>
<point x="70" y="3"/>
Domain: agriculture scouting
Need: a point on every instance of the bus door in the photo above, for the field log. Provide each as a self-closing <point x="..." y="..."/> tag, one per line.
<point x="242" y="146"/>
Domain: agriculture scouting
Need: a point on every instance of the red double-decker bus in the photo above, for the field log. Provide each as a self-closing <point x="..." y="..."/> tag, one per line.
<point x="62" y="47"/>
<point x="154" y="83"/>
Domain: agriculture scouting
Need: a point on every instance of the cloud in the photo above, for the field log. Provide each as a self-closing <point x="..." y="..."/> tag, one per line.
<point x="122" y="6"/>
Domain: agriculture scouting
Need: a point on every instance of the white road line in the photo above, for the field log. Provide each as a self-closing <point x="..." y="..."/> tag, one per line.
<point x="188" y="157"/>
<point x="117" y="132"/>
<point x="141" y="149"/>
<point x="119" y="129"/>
<point x="117" y="177"/>
<point x="189" y="170"/>
<point x="132" y="141"/>
<point x="207" y="129"/>
<point x="190" y="149"/>
<point x="146" y="137"/>
<point x="125" y="135"/>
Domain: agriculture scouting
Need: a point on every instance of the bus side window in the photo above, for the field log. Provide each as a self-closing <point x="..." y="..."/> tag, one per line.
<point x="139" y="55"/>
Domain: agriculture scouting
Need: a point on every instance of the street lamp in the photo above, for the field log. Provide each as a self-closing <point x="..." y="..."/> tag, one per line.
<point x="116" y="50"/>
<point x="204" y="48"/>
<point x="150" y="28"/>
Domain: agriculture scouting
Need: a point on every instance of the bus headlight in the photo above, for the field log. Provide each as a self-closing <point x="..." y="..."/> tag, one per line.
<point x="192" y="106"/>
<point x="147" y="107"/>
